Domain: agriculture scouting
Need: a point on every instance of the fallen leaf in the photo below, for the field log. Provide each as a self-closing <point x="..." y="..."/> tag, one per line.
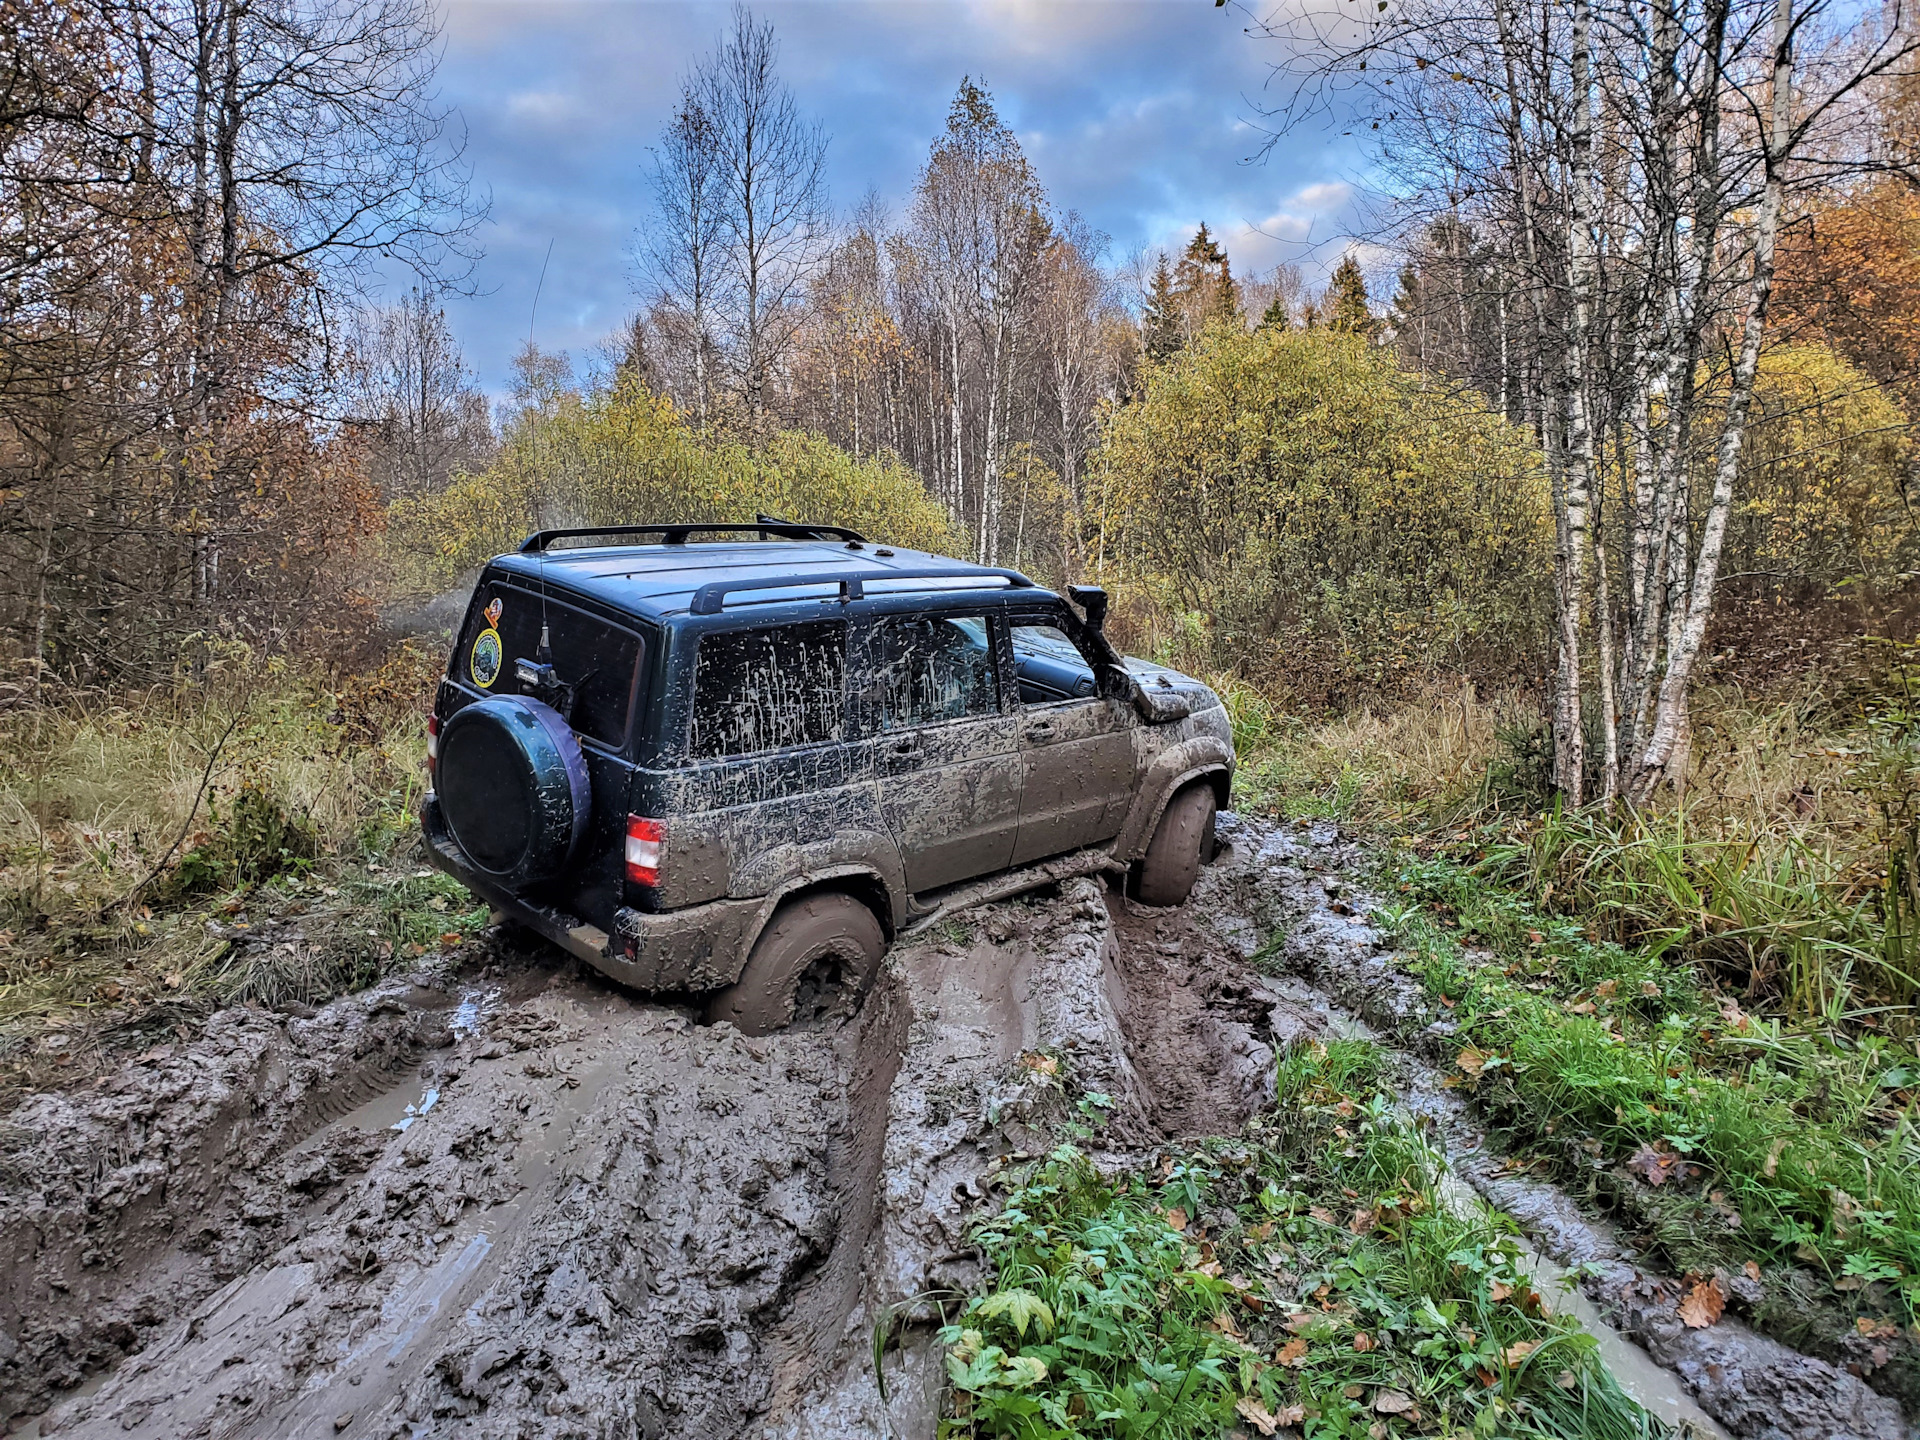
<point x="1566" y="1380"/>
<point x="1260" y="1231"/>
<point x="1656" y="1164"/>
<point x="1256" y="1414"/>
<point x="1498" y="1291"/>
<point x="1774" y="1152"/>
<point x="1704" y="1303"/>
<point x="1353" y="1392"/>
<point x="1518" y="1351"/>
<point x="1362" y="1342"/>
<point x="1585" y="1007"/>
<point x="1606" y="989"/>
<point x="1392" y="1402"/>
<point x="1324" y="1216"/>
<point x="1223" y="1322"/>
<point x="1471" y="1062"/>
<point x="1177" y="1218"/>
<point x="1364" y="1220"/>
<point x="1649" y="989"/>
<point x="1293" y="1353"/>
<point x="1292" y="1415"/>
<point x="452" y="937"/>
<point x="1752" y="1267"/>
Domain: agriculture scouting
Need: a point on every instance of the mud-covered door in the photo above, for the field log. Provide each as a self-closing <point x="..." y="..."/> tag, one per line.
<point x="945" y="756"/>
<point x="1076" y="748"/>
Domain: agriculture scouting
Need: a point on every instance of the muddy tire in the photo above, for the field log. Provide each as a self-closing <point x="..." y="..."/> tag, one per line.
<point x="814" y="960"/>
<point x="1181" y="842"/>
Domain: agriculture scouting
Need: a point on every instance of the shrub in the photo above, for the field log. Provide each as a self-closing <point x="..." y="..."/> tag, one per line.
<point x="1318" y="519"/>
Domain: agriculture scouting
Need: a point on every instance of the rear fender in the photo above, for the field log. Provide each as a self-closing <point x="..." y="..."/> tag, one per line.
<point x="861" y="881"/>
<point x="1197" y="757"/>
<point x="785" y="868"/>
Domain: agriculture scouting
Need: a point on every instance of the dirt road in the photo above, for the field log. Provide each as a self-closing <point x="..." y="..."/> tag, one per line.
<point x="505" y="1198"/>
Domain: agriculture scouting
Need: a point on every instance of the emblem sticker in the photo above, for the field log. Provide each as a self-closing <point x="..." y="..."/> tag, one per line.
<point x="493" y="612"/>
<point x="485" y="664"/>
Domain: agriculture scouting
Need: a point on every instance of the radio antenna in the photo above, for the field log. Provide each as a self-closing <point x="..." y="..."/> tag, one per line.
<point x="543" y="655"/>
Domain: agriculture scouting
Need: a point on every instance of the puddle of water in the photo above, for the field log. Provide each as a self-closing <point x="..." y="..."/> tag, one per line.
<point x="413" y="1113"/>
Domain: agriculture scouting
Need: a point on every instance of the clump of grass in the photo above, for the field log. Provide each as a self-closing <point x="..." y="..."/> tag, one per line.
<point x="1788" y="1148"/>
<point x="144" y="838"/>
<point x="1306" y="1274"/>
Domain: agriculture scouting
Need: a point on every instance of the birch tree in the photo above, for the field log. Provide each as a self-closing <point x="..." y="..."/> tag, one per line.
<point x="1627" y="165"/>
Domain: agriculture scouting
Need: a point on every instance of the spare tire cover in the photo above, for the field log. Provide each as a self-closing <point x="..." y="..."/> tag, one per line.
<point x="513" y="787"/>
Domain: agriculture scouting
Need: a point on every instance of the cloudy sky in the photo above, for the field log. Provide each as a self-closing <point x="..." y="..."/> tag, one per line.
<point x="1139" y="114"/>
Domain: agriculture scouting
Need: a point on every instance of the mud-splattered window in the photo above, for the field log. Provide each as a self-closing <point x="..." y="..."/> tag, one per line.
<point x="757" y="690"/>
<point x="922" y="670"/>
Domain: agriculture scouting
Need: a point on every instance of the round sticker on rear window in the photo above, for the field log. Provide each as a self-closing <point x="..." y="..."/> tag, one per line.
<point x="486" y="658"/>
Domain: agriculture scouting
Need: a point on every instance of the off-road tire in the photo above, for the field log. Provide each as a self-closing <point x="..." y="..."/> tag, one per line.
<point x="814" y="960"/>
<point x="1182" y="841"/>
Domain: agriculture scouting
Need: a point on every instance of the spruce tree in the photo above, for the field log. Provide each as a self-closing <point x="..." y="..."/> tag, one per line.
<point x="1160" y="325"/>
<point x="1275" y="317"/>
<point x="1347" y="297"/>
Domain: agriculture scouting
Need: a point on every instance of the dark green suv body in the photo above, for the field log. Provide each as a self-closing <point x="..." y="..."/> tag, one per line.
<point x="648" y="752"/>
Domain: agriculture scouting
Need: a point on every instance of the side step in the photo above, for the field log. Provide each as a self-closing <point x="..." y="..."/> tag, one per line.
<point x="936" y="905"/>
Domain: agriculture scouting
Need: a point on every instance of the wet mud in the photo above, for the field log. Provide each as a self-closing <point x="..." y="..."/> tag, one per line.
<point x="514" y="1199"/>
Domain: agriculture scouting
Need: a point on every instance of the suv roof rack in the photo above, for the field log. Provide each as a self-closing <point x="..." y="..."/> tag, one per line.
<point x="676" y="534"/>
<point x="711" y="598"/>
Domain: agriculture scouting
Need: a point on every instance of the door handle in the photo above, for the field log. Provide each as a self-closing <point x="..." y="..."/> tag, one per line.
<point x="905" y="750"/>
<point x="1040" y="730"/>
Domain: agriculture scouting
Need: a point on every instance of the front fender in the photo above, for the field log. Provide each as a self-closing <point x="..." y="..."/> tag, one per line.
<point x="1196" y="757"/>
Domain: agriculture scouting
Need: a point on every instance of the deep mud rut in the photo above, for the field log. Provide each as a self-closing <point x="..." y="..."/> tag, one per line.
<point x="509" y="1199"/>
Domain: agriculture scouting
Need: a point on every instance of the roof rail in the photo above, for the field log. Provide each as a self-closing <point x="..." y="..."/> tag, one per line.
<point x="710" y="599"/>
<point x="677" y="534"/>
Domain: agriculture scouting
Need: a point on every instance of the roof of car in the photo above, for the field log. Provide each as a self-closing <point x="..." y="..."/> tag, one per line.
<point x="659" y="581"/>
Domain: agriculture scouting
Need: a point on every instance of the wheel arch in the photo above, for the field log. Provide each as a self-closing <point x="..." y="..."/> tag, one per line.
<point x="1200" y="758"/>
<point x="862" y="882"/>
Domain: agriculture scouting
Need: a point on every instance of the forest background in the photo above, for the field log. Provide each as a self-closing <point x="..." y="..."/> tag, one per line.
<point x="1562" y="546"/>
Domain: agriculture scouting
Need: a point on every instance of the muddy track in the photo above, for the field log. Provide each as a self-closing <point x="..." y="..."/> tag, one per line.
<point x="512" y="1199"/>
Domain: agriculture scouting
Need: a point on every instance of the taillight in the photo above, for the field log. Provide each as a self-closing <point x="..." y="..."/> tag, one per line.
<point x="644" y="838"/>
<point x="433" y="743"/>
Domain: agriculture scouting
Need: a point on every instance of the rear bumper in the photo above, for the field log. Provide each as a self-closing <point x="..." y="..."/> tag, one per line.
<point x="701" y="947"/>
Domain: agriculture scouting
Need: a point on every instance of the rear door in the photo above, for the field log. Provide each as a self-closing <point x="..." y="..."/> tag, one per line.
<point x="1076" y="747"/>
<point x="945" y="749"/>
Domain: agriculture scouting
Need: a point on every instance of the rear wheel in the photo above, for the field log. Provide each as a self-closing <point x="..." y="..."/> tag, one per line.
<point x="816" y="958"/>
<point x="1182" y="840"/>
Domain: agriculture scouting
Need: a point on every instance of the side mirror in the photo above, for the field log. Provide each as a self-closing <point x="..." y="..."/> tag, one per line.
<point x="1093" y="600"/>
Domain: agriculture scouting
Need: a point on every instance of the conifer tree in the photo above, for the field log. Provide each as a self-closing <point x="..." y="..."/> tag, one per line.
<point x="1160" y="325"/>
<point x="1347" y="299"/>
<point x="1275" y="317"/>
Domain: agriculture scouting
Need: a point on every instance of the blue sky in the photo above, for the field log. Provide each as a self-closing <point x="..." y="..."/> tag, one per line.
<point x="1136" y="113"/>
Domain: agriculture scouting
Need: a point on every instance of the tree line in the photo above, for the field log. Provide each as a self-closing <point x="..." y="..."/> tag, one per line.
<point x="195" y="195"/>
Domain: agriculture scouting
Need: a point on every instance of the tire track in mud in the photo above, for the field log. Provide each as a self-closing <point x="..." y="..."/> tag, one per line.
<point x="602" y="1219"/>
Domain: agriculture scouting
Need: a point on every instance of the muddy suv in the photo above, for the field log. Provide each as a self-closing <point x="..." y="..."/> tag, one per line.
<point x="738" y="759"/>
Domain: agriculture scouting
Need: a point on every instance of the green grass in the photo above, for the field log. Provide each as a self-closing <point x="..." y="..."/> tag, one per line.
<point x="1305" y="1274"/>
<point x="1791" y="1147"/>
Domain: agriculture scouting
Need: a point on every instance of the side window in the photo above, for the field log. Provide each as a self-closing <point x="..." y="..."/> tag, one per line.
<point x="1048" y="665"/>
<point x="756" y="690"/>
<point x="925" y="669"/>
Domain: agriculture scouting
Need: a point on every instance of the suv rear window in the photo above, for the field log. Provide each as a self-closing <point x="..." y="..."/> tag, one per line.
<point x="756" y="690"/>
<point x="599" y="659"/>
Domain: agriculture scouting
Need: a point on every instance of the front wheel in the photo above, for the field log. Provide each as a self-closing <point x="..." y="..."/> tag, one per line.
<point x="1181" y="841"/>
<point x="817" y="955"/>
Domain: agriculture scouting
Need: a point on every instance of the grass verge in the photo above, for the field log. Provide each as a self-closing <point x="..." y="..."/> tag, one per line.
<point x="246" y="838"/>
<point x="1305" y="1277"/>
<point x="1729" y="1137"/>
